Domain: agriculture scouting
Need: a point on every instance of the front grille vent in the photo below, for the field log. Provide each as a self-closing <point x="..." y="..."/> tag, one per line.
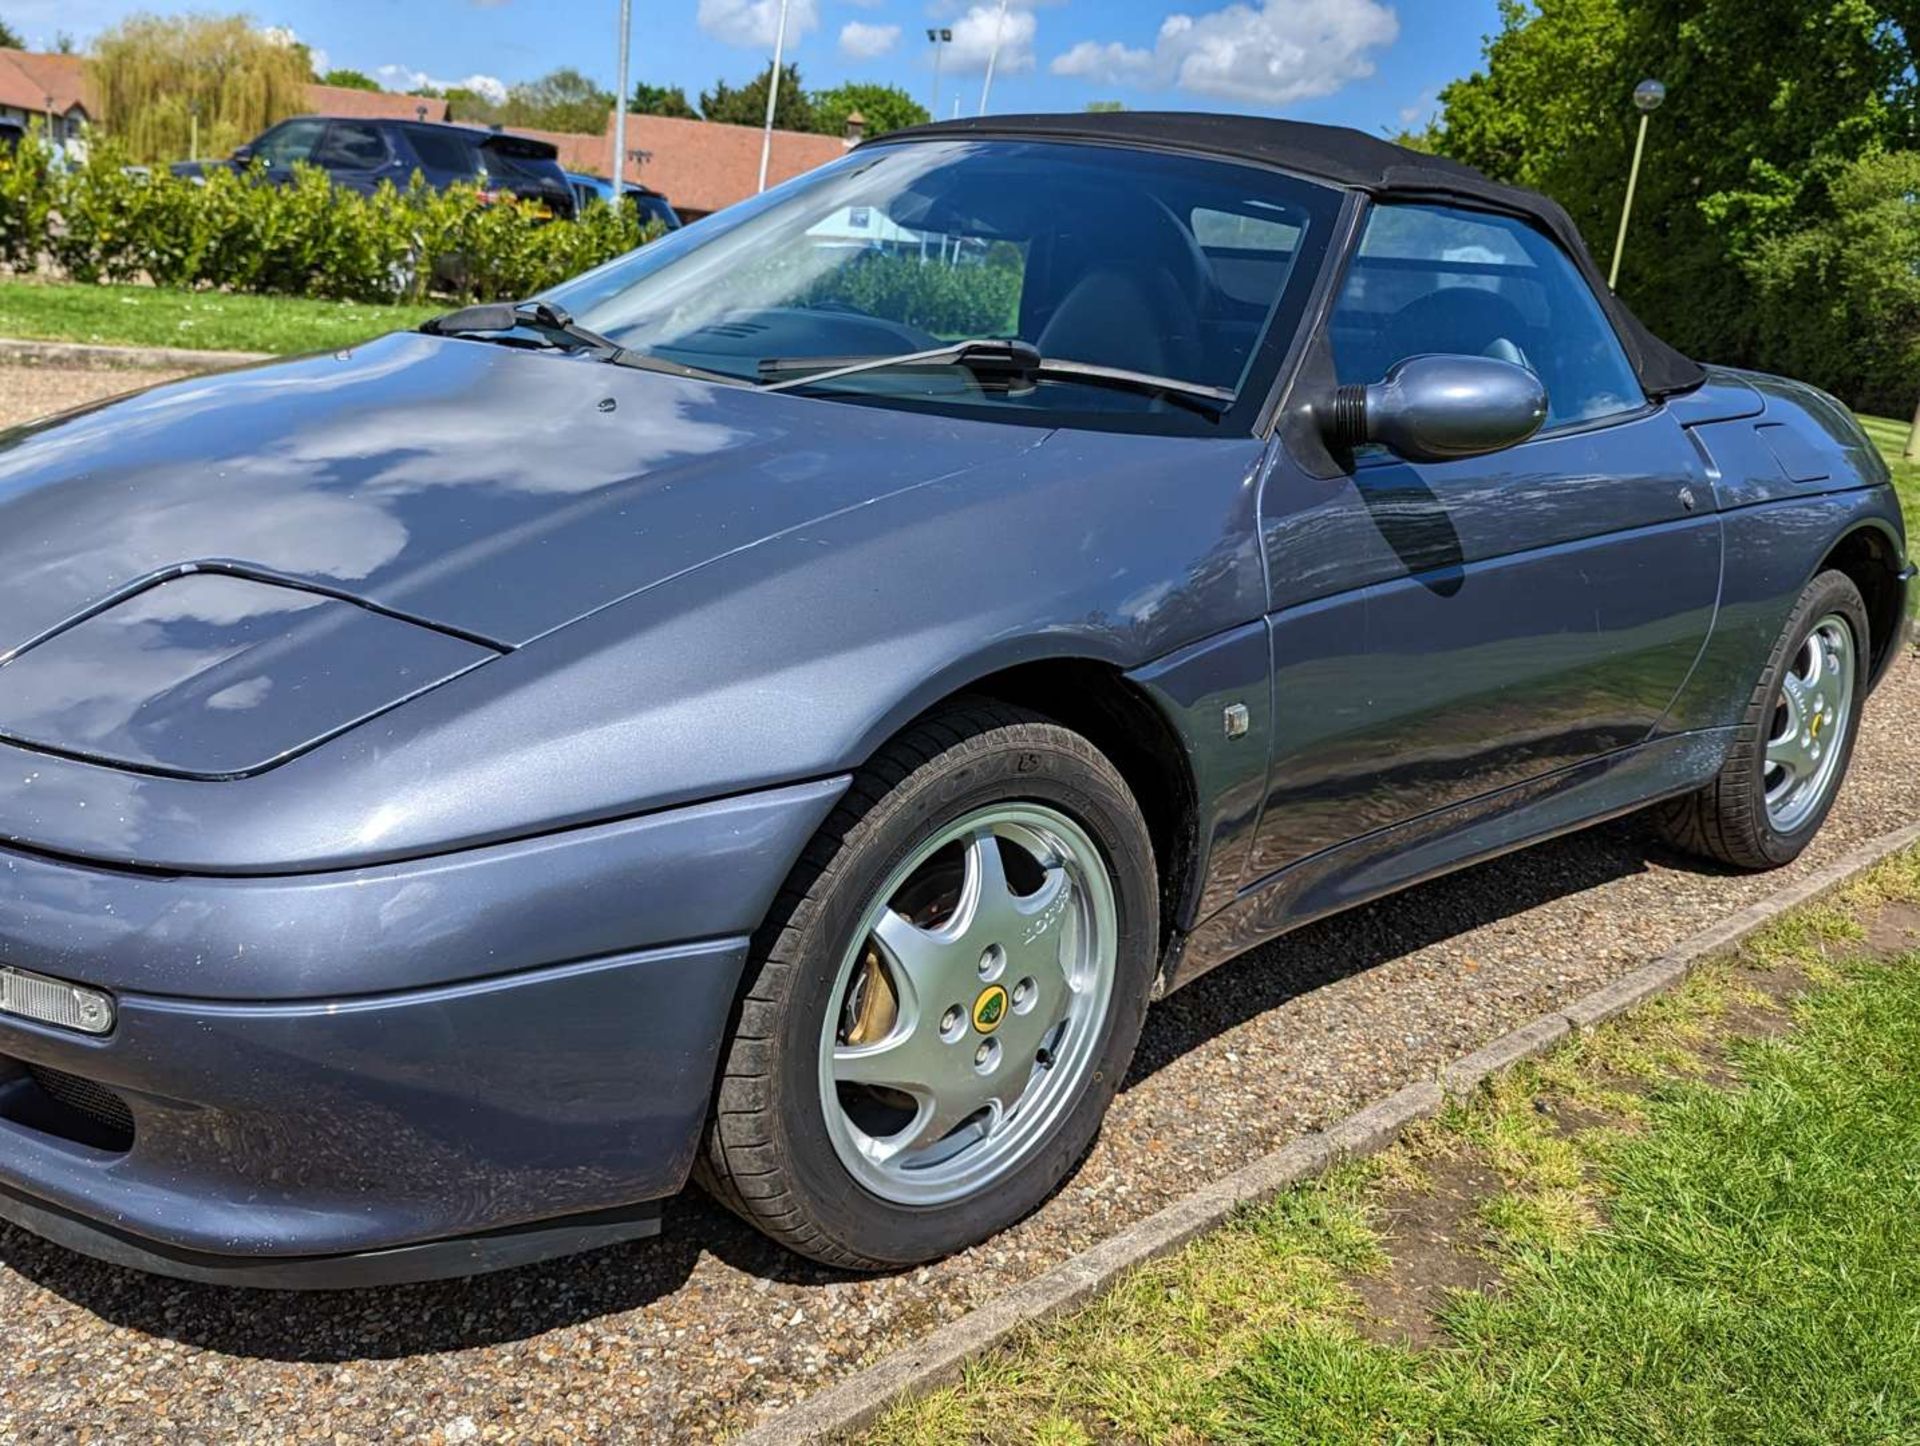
<point x="98" y="1104"/>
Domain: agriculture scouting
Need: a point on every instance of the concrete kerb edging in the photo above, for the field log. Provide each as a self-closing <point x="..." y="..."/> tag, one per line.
<point x="938" y="1358"/>
<point x="81" y="355"/>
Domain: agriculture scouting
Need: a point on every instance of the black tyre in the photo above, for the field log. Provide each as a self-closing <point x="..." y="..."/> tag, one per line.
<point x="1793" y="746"/>
<point x="944" y="998"/>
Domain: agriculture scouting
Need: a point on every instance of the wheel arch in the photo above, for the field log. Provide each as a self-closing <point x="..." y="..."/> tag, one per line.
<point x="1095" y="699"/>
<point x="1870" y="555"/>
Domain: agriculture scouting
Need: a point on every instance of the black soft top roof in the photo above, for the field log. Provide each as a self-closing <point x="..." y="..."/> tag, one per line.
<point x="1347" y="158"/>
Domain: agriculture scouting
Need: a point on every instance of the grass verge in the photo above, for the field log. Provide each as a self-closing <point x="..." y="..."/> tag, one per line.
<point x="1700" y="1222"/>
<point x="200" y="320"/>
<point x="1891" y="438"/>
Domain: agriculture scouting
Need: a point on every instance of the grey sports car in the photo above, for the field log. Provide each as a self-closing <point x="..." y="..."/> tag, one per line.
<point x="779" y="707"/>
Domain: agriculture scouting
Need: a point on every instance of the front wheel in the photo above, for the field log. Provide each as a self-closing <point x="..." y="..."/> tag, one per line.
<point x="1791" y="750"/>
<point x="945" y="1000"/>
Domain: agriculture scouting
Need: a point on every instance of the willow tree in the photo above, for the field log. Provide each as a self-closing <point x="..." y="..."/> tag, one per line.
<point x="152" y="72"/>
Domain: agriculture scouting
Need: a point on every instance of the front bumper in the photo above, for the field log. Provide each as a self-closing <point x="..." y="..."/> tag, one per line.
<point x="341" y="1079"/>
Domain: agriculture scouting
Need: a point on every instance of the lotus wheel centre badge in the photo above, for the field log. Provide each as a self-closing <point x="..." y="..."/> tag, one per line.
<point x="989" y="1009"/>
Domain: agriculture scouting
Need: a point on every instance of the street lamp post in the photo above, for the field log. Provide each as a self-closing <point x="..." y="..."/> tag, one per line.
<point x="1647" y="96"/>
<point x="773" y="92"/>
<point x="937" y="38"/>
<point x="993" y="55"/>
<point x="193" y="130"/>
<point x="620" y="101"/>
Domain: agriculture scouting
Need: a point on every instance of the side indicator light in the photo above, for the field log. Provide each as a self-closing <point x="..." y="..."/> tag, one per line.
<point x="54" y="1001"/>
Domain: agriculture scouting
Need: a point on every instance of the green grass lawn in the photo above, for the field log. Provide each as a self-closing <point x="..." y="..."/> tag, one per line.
<point x="1685" y="1226"/>
<point x="200" y="320"/>
<point x="1891" y="438"/>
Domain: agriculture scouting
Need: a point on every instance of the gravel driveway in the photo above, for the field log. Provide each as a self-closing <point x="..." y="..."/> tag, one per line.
<point x="698" y="1332"/>
<point x="29" y="392"/>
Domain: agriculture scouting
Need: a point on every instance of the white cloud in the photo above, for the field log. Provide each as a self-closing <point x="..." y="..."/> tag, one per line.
<point x="973" y="35"/>
<point x="1272" y="53"/>
<point x="867" y="42"/>
<point x="404" y="78"/>
<point x="1421" y="111"/>
<point x="1110" y="63"/>
<point x="753" y="22"/>
<point x="285" y="35"/>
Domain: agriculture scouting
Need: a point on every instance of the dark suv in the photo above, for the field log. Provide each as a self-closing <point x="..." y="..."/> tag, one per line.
<point x="359" y="154"/>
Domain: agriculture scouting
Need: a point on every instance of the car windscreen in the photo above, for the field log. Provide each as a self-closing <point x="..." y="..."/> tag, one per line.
<point x="1170" y="266"/>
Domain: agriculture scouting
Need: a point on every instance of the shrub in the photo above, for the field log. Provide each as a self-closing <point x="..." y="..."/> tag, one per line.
<point x="945" y="299"/>
<point x="102" y="220"/>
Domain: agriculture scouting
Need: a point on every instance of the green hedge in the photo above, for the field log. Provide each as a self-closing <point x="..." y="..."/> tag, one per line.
<point x="102" y="221"/>
<point x="947" y="300"/>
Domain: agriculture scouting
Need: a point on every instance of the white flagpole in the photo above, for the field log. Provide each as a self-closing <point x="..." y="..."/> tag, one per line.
<point x="773" y="93"/>
<point x="620" y="103"/>
<point x="993" y="55"/>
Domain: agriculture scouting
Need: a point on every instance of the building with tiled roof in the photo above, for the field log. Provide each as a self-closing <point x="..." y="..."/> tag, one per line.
<point x="37" y="86"/>
<point x="54" y="89"/>
<point x="701" y="166"/>
<point x="344" y="100"/>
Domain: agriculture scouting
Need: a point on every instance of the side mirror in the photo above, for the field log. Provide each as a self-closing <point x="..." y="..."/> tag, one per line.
<point x="1441" y="408"/>
<point x="242" y="154"/>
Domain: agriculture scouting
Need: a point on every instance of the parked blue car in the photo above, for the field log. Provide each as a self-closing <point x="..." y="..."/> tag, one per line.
<point x="648" y="204"/>
<point x="780" y="710"/>
<point x="362" y="154"/>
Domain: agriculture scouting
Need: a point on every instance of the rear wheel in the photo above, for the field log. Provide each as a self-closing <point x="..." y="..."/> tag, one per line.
<point x="1792" y="748"/>
<point x="945" y="999"/>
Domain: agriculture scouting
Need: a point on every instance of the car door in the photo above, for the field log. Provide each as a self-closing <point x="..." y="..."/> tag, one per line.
<point x="287" y="145"/>
<point x="1442" y="631"/>
<point x="356" y="155"/>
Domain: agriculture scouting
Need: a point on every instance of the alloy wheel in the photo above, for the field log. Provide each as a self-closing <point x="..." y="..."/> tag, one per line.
<point x="1810" y="723"/>
<point x="970" y="1006"/>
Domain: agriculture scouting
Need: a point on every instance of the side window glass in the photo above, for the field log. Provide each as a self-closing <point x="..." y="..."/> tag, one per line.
<point x="443" y="151"/>
<point x="1250" y="255"/>
<point x="352" y="146"/>
<point x="289" y="144"/>
<point x="1430" y="279"/>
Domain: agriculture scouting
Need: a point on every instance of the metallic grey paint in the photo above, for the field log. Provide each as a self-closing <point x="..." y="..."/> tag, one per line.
<point x="425" y="905"/>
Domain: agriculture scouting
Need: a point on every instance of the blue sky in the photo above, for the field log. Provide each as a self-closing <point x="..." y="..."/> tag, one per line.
<point x="1376" y="64"/>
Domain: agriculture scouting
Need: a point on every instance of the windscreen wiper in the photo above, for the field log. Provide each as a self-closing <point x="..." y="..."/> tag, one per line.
<point x="538" y="316"/>
<point x="993" y="359"/>
<point x="555" y="323"/>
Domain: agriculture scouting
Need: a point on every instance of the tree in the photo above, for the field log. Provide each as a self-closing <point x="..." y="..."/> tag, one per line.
<point x="350" y="80"/>
<point x="1843" y="294"/>
<point x="746" y="105"/>
<point x="10" y="38"/>
<point x="883" y="107"/>
<point x="1105" y="107"/>
<point x="561" y="100"/>
<point x="663" y="100"/>
<point x="149" y="71"/>
<point x="469" y="106"/>
<point x="1770" y="102"/>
